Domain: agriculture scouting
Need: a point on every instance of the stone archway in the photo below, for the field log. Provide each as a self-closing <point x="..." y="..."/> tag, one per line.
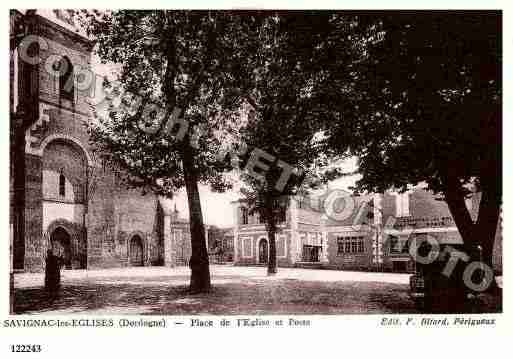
<point x="136" y="251"/>
<point x="60" y="243"/>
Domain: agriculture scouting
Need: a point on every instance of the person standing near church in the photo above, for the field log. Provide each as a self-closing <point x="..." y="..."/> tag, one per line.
<point x="52" y="274"/>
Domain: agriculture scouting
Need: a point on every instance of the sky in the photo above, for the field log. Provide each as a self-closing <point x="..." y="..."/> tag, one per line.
<point x="217" y="209"/>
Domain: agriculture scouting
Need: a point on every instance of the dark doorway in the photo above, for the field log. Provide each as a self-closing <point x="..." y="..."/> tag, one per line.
<point x="61" y="246"/>
<point x="136" y="252"/>
<point x="263" y="253"/>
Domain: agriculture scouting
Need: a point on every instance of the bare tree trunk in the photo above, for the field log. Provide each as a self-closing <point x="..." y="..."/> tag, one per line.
<point x="200" y="273"/>
<point x="270" y="221"/>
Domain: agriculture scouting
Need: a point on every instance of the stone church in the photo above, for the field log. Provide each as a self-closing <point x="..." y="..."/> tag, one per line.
<point x="62" y="196"/>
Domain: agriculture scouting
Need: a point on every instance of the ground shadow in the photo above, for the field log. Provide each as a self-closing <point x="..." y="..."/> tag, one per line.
<point x="248" y="297"/>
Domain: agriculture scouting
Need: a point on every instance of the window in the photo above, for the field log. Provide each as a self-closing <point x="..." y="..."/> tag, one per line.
<point x="398" y="246"/>
<point x="310" y="253"/>
<point x="406" y="248"/>
<point x="394" y="244"/>
<point x="360" y="247"/>
<point x="66" y="79"/>
<point x="244" y="215"/>
<point x="340" y="245"/>
<point x="354" y="245"/>
<point x="62" y="185"/>
<point x="347" y="246"/>
<point x="350" y="245"/>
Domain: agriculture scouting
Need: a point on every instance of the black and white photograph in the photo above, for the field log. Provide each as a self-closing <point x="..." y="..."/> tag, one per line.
<point x="255" y="162"/>
<point x="324" y="162"/>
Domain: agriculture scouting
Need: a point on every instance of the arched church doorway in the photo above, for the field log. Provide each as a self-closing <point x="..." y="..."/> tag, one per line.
<point x="263" y="252"/>
<point x="136" y="251"/>
<point x="60" y="241"/>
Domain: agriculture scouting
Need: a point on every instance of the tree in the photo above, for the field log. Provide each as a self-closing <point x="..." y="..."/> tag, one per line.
<point x="424" y="105"/>
<point x="163" y="119"/>
<point x="285" y="84"/>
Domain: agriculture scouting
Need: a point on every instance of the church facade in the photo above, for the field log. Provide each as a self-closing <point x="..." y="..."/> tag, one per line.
<point x="63" y="197"/>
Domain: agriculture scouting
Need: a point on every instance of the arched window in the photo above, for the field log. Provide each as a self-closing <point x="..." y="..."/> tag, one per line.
<point x="62" y="185"/>
<point x="66" y="80"/>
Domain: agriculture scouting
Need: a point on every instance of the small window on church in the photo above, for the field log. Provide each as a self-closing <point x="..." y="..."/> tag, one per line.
<point x="66" y="80"/>
<point x="62" y="185"/>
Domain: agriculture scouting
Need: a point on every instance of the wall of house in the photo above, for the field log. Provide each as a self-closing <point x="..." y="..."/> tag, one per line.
<point x="348" y="211"/>
<point x="308" y="216"/>
<point x="425" y="204"/>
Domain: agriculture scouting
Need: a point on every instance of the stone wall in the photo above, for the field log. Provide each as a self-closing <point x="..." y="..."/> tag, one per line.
<point x="34" y="243"/>
<point x="347" y="260"/>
